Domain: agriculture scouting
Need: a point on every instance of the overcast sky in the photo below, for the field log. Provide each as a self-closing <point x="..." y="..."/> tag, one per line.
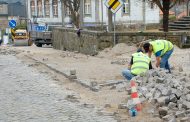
<point x="12" y="1"/>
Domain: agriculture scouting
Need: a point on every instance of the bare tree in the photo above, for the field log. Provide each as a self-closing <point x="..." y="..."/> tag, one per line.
<point x="165" y="6"/>
<point x="74" y="6"/>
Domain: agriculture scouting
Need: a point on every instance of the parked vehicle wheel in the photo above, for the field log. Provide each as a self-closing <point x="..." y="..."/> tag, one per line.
<point x="39" y="45"/>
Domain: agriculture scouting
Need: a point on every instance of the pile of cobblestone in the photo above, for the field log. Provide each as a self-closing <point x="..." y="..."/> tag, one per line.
<point x="170" y="93"/>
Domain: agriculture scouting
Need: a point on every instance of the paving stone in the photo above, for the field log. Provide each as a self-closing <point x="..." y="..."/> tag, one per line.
<point x="172" y="105"/>
<point x="180" y="114"/>
<point x="143" y="90"/>
<point x="123" y="106"/>
<point x="73" y="77"/>
<point x="173" y="120"/>
<point x="186" y="104"/>
<point x="154" y="73"/>
<point x="186" y="91"/>
<point x="173" y="98"/>
<point x="182" y="79"/>
<point x="73" y="72"/>
<point x="157" y="94"/>
<point x="178" y="93"/>
<point x="160" y="80"/>
<point x="181" y="106"/>
<point x="148" y="95"/>
<point x="185" y="119"/>
<point x="166" y="91"/>
<point x="188" y="111"/>
<point x="156" y="115"/>
<point x="163" y="100"/>
<point x="163" y="111"/>
<point x="188" y="97"/>
<point x="168" y="117"/>
<point x="187" y="85"/>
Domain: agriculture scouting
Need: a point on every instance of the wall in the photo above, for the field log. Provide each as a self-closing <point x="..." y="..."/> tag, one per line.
<point x="90" y="42"/>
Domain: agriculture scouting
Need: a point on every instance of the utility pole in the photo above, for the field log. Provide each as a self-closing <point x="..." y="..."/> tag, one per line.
<point x="110" y="21"/>
<point x="102" y="24"/>
<point x="63" y="13"/>
<point x="81" y="14"/>
<point x="144" y="15"/>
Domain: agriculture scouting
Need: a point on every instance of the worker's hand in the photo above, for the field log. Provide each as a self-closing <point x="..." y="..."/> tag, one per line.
<point x="157" y="64"/>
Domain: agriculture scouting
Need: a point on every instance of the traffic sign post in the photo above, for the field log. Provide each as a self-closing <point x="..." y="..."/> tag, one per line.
<point x="12" y="23"/>
<point x="114" y="6"/>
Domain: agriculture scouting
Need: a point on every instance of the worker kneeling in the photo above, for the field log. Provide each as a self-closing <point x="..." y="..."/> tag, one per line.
<point x="140" y="63"/>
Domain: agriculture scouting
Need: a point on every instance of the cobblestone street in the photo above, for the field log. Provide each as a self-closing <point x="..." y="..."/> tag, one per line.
<point x="27" y="95"/>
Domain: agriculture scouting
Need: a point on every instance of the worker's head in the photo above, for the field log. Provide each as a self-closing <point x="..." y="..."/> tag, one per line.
<point x="147" y="47"/>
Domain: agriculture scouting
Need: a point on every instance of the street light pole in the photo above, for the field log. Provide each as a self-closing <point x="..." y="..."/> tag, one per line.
<point x="63" y="13"/>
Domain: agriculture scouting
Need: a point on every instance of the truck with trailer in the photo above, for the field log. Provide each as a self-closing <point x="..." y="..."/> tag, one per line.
<point x="41" y="38"/>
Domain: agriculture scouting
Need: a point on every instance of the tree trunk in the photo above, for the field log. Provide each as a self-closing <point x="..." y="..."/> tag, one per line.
<point x="110" y="21"/>
<point x="75" y="19"/>
<point x="166" y="6"/>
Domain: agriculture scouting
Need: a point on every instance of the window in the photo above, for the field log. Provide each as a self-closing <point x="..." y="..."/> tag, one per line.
<point x="47" y="8"/>
<point x="87" y="7"/>
<point x="32" y="7"/>
<point x="55" y="8"/>
<point x="152" y="5"/>
<point x="39" y="8"/>
<point x="126" y="7"/>
<point x="1" y="8"/>
<point x="68" y="12"/>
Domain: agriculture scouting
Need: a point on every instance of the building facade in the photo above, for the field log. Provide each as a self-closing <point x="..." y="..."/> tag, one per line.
<point x="94" y="11"/>
<point x="44" y="11"/>
<point x="3" y="15"/>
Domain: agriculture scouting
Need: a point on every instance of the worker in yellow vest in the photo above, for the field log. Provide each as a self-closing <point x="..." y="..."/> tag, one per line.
<point x="162" y="49"/>
<point x="139" y="63"/>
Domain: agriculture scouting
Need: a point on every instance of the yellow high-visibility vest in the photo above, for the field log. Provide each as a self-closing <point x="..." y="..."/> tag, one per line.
<point x="140" y="63"/>
<point x="163" y="45"/>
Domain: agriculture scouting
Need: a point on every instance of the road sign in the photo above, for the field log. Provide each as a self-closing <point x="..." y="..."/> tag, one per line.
<point x="40" y="28"/>
<point x="114" y="5"/>
<point x="12" y="23"/>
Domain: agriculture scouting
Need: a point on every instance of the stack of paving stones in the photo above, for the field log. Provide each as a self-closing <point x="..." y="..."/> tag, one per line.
<point x="169" y="93"/>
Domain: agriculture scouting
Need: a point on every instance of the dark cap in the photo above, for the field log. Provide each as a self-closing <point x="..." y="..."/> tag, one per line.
<point x="146" y="47"/>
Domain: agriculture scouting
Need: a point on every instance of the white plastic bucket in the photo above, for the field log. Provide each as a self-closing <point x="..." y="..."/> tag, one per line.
<point x="5" y="39"/>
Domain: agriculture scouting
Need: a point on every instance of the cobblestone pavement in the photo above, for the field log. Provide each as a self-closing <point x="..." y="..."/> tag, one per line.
<point x="28" y="96"/>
